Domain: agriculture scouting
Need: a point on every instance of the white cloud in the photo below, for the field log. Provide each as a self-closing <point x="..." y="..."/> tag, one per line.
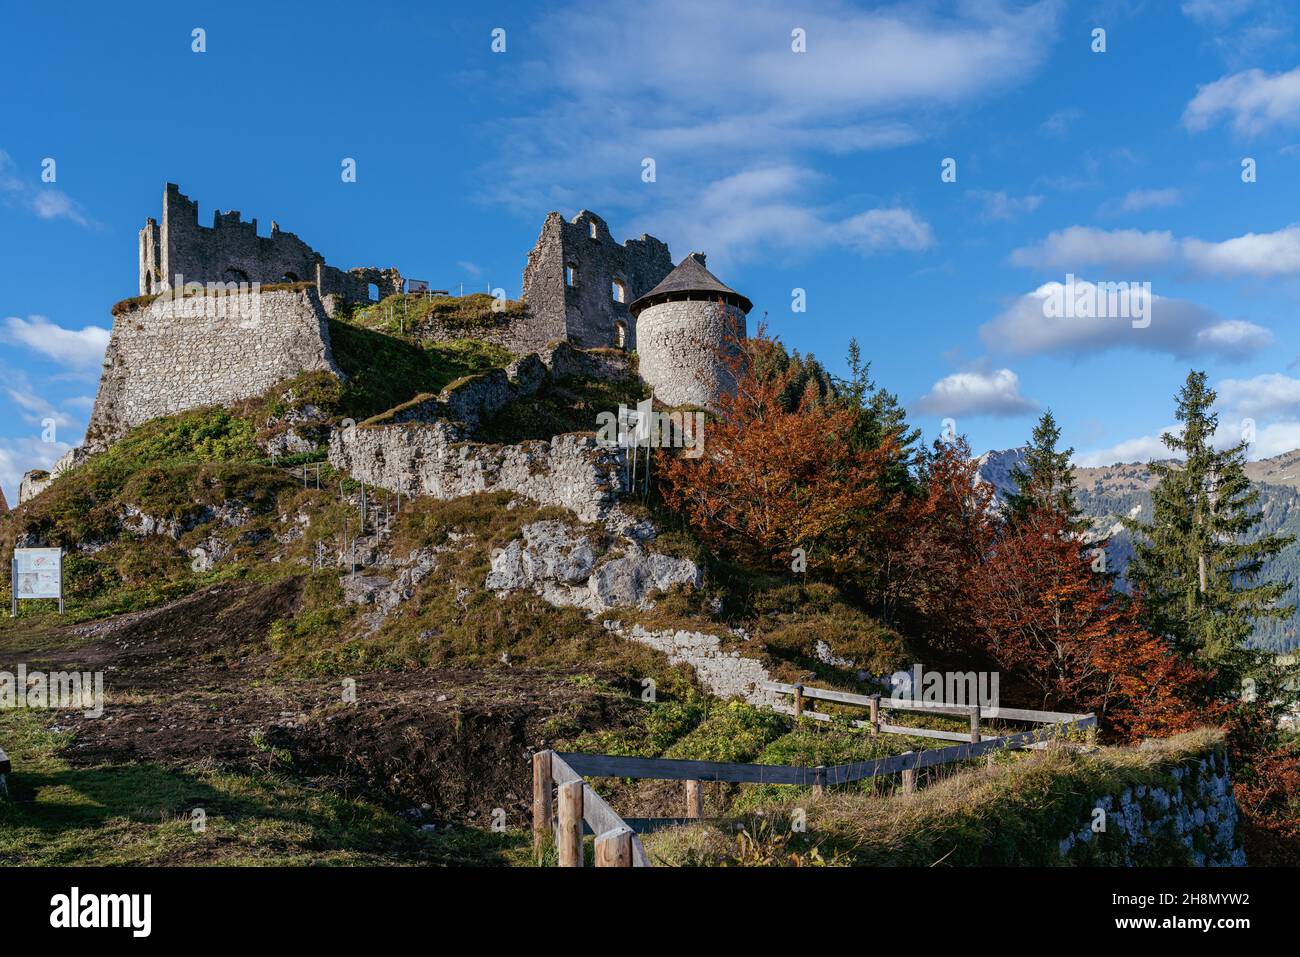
<point x="1270" y="402"/>
<point x="977" y="392"/>
<point x="1143" y="448"/>
<point x="1176" y="327"/>
<point x="1274" y="439"/>
<point x="37" y="410"/>
<point x="1135" y="201"/>
<point x="1002" y="206"/>
<point x="21" y="454"/>
<point x="1078" y="247"/>
<point x="706" y="90"/>
<point x="1268" y="396"/>
<point x="44" y="201"/>
<point x="1059" y="123"/>
<point x="1081" y="246"/>
<point x="756" y="211"/>
<point x="1215" y="14"/>
<point x="1253" y="100"/>
<point x="1254" y="254"/>
<point x="77" y="348"/>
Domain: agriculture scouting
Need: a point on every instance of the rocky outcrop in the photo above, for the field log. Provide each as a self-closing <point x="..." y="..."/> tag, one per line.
<point x="727" y="674"/>
<point x="559" y="562"/>
<point x="33" y="483"/>
<point x="565" y="362"/>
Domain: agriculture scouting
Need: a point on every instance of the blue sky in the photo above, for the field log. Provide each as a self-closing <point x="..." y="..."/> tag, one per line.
<point x="818" y="171"/>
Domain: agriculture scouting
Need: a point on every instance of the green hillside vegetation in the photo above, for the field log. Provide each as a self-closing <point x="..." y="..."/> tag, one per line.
<point x="1009" y="813"/>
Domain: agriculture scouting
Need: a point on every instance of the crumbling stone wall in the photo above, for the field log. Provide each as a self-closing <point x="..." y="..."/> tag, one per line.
<point x="680" y="344"/>
<point x="1194" y="813"/>
<point x="571" y="471"/>
<point x="231" y="251"/>
<point x="586" y="313"/>
<point x="178" y="353"/>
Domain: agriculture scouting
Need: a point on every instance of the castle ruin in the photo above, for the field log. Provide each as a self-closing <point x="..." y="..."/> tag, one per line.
<point x="181" y="345"/>
<point x="579" y="282"/>
<point x="230" y="251"/>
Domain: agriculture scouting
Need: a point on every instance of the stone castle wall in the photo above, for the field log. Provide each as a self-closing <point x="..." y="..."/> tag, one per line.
<point x="679" y="348"/>
<point x="586" y="313"/>
<point x="174" y="354"/>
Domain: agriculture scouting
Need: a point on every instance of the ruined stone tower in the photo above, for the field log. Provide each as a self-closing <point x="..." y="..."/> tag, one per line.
<point x="685" y="326"/>
<point x="579" y="281"/>
<point x="230" y="251"/>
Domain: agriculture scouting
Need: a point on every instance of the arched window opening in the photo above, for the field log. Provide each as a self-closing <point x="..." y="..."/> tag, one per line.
<point x="372" y="292"/>
<point x="570" y="275"/>
<point x="620" y="333"/>
<point x="289" y="277"/>
<point x="236" y="276"/>
<point x="618" y="290"/>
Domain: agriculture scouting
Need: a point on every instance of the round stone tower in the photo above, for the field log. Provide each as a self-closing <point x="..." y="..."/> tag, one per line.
<point x="685" y="326"/>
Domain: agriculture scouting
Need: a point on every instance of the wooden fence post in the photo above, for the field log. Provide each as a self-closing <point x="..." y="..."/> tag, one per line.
<point x="975" y="723"/>
<point x="694" y="800"/>
<point x="614" y="848"/>
<point x="798" y="702"/>
<point x="875" y="715"/>
<point x="543" y="812"/>
<point x="569" y="833"/>
<point x="819" y="780"/>
<point x="909" y="779"/>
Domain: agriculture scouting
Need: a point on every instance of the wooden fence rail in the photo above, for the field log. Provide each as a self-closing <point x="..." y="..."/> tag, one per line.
<point x="895" y="704"/>
<point x="617" y="844"/>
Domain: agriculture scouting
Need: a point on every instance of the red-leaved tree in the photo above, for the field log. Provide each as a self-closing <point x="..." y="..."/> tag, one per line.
<point x="780" y="479"/>
<point x="1058" y="626"/>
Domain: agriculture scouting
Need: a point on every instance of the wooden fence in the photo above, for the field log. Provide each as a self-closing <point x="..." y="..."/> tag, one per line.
<point x="581" y="808"/>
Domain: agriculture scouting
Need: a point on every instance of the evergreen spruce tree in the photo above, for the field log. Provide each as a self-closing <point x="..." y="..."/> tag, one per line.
<point x="1198" y="560"/>
<point x="1047" y="479"/>
<point x="879" y="417"/>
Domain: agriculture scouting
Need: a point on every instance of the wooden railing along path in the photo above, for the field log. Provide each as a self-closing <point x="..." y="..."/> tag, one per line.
<point x="617" y="845"/>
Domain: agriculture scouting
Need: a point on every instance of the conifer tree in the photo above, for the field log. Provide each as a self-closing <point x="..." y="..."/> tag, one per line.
<point x="1198" y="560"/>
<point x="880" y="419"/>
<point x="1046" y="482"/>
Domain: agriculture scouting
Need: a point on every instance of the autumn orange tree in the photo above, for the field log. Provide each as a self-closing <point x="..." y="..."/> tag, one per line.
<point x="927" y="558"/>
<point x="781" y="478"/>
<point x="1055" y="624"/>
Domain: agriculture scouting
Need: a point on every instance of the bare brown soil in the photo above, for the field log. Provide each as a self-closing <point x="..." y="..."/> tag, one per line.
<point x="193" y="683"/>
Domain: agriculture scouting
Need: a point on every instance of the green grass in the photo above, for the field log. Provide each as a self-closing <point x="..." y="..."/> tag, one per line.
<point x="412" y="314"/>
<point x="559" y="408"/>
<point x="386" y="370"/>
<point x="145" y="814"/>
